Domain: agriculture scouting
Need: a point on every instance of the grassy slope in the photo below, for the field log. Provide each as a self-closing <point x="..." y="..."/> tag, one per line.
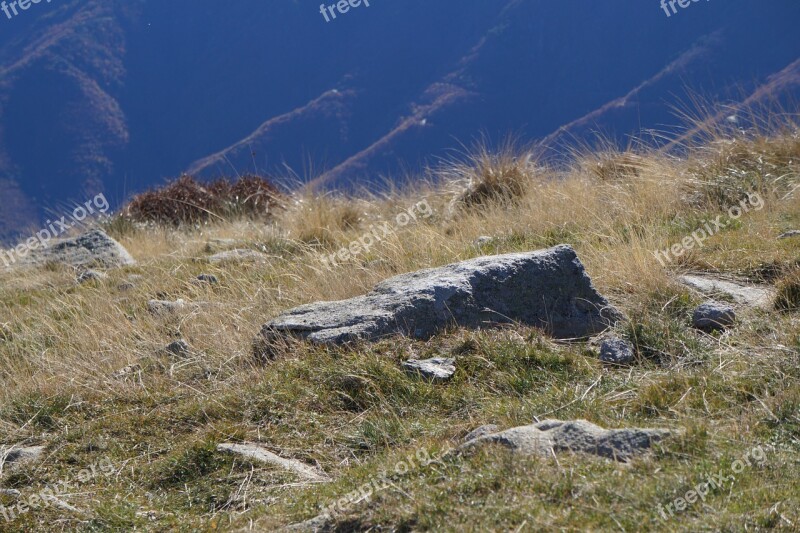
<point x="355" y="414"/>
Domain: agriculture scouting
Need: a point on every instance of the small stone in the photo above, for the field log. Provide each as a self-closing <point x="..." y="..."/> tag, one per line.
<point x="92" y="275"/>
<point x="483" y="240"/>
<point x="162" y="307"/>
<point x="789" y="234"/>
<point x="616" y="351"/>
<point x="254" y="451"/>
<point x="713" y="315"/>
<point x="436" y="369"/>
<point x="482" y="431"/>
<point x="211" y="279"/>
<point x="13" y="455"/>
<point x="179" y="348"/>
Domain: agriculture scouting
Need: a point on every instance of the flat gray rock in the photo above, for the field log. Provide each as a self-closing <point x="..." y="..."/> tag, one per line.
<point x="253" y="451"/>
<point x="13" y="455"/>
<point x="481" y="431"/>
<point x="436" y="369"/>
<point x="789" y="234"/>
<point x="714" y="315"/>
<point x="548" y="289"/>
<point x="93" y="249"/>
<point x="579" y="436"/>
<point x="741" y="293"/>
<point x="165" y="307"/>
<point x="616" y="351"/>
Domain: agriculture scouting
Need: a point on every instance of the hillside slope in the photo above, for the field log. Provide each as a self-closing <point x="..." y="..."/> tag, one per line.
<point x="116" y="95"/>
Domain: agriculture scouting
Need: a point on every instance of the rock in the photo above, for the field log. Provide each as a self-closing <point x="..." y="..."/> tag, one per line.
<point x="741" y="293"/>
<point x="315" y="525"/>
<point x="179" y="348"/>
<point x="488" y="429"/>
<point x="616" y="351"/>
<point x="14" y="456"/>
<point x="436" y="369"/>
<point x="92" y="249"/>
<point x="579" y="436"/>
<point x="548" y="289"/>
<point x="163" y="307"/>
<point x="239" y="256"/>
<point x="253" y="451"/>
<point x="483" y="240"/>
<point x="127" y="372"/>
<point x="92" y="275"/>
<point x="713" y="315"/>
<point x="211" y="279"/>
<point x="789" y="234"/>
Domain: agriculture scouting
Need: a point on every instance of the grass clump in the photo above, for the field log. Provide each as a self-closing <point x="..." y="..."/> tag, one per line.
<point x="788" y="297"/>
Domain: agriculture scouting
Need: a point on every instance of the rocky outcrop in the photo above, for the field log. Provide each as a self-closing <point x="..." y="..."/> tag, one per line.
<point x="548" y="289"/>
<point x="579" y="436"/>
<point x="94" y="249"/>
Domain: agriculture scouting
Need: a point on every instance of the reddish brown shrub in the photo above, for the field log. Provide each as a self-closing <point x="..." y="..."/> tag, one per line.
<point x="187" y="201"/>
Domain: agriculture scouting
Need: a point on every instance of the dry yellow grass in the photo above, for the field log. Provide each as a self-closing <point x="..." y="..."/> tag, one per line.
<point x="60" y="340"/>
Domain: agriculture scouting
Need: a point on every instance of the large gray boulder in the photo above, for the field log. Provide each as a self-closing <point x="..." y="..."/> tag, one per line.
<point x="93" y="249"/>
<point x="548" y="289"/>
<point x="578" y="436"/>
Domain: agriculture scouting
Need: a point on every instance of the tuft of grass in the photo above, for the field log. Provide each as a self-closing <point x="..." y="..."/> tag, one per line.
<point x="788" y="296"/>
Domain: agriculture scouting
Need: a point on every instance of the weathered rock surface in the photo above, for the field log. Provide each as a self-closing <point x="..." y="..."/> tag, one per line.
<point x="741" y="293"/>
<point x="579" y="436"/>
<point x="13" y="455"/>
<point x="713" y="315"/>
<point x="481" y="431"/>
<point x="253" y="451"/>
<point x="436" y="369"/>
<point x="179" y="348"/>
<point x="210" y="279"/>
<point x="548" y="289"/>
<point x="92" y="275"/>
<point x="616" y="351"/>
<point x="165" y="307"/>
<point x="93" y="249"/>
<point x="789" y="234"/>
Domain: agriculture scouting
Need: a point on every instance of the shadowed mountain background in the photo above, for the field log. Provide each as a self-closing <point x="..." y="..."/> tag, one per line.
<point x="114" y="96"/>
